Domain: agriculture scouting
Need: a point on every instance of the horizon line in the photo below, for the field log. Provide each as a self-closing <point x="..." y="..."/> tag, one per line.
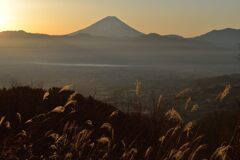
<point x="65" y="34"/>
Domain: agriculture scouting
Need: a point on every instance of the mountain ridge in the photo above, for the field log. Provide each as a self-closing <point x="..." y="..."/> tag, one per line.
<point x="221" y="37"/>
<point x="113" y="27"/>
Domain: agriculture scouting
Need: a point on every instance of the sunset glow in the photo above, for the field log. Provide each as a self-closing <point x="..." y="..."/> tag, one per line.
<point x="4" y="16"/>
<point x="187" y="18"/>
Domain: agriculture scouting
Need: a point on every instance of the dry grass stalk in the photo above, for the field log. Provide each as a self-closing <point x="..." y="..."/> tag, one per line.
<point x="89" y="123"/>
<point x="181" y="152"/>
<point x="195" y="108"/>
<point x="184" y="93"/>
<point x="188" y="128"/>
<point x="46" y="95"/>
<point x="82" y="137"/>
<point x="65" y="128"/>
<point x="169" y="133"/>
<point x="72" y="96"/>
<point x="70" y="103"/>
<point x="113" y="114"/>
<point x="197" y="141"/>
<point x="222" y="153"/>
<point x="2" y="119"/>
<point x="161" y="139"/>
<point x="173" y="115"/>
<point x="130" y="155"/>
<point x="107" y="126"/>
<point x="19" y="117"/>
<point x="65" y="88"/>
<point x="177" y="130"/>
<point x="198" y="152"/>
<point x="187" y="104"/>
<point x="52" y="135"/>
<point x="59" y="109"/>
<point x="224" y="93"/>
<point x="68" y="156"/>
<point x="23" y="134"/>
<point x="72" y="127"/>
<point x="104" y="140"/>
<point x="148" y="153"/>
<point x="7" y="124"/>
<point x="159" y="103"/>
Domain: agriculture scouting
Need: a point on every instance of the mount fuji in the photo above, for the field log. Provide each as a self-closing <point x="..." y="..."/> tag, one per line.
<point x="109" y="26"/>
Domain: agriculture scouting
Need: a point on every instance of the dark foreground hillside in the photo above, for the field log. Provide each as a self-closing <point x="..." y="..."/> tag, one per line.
<point x="61" y="124"/>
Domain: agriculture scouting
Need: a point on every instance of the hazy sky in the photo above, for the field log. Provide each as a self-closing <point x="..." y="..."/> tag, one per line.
<point x="183" y="17"/>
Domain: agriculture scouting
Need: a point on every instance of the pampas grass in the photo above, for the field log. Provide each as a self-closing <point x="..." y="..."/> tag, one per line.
<point x="104" y="140"/>
<point x="89" y="123"/>
<point x="159" y="103"/>
<point x="7" y="124"/>
<point x="187" y="104"/>
<point x="113" y="115"/>
<point x="189" y="127"/>
<point x="196" y="154"/>
<point x="2" y="120"/>
<point x="223" y="153"/>
<point x="173" y="115"/>
<point x="59" y="109"/>
<point x="19" y="118"/>
<point x="223" y="94"/>
<point x="65" y="88"/>
<point x="107" y="126"/>
<point x="116" y="135"/>
<point x="70" y="103"/>
<point x="46" y="95"/>
<point x="72" y="96"/>
<point x="148" y="153"/>
<point x="82" y="137"/>
<point x="184" y="93"/>
<point x="195" y="108"/>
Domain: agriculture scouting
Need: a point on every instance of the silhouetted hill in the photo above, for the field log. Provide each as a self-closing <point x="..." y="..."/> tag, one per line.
<point x="158" y="36"/>
<point x="22" y="34"/>
<point x="225" y="37"/>
<point x="169" y="38"/>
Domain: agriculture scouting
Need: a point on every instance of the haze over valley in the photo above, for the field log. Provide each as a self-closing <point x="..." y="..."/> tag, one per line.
<point x="95" y="54"/>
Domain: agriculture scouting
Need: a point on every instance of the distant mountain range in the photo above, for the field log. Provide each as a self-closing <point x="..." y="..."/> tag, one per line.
<point x="112" y="27"/>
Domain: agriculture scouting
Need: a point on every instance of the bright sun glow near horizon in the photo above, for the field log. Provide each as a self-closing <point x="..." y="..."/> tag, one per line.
<point x="186" y="18"/>
<point x="4" y="16"/>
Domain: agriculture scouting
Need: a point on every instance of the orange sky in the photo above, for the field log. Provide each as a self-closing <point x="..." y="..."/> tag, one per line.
<point x="185" y="17"/>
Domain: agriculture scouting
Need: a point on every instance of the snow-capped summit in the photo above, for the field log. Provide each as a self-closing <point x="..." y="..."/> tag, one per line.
<point x="110" y="26"/>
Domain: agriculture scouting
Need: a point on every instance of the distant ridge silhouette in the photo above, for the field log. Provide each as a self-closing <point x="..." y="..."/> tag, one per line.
<point x="113" y="27"/>
<point x="227" y="36"/>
